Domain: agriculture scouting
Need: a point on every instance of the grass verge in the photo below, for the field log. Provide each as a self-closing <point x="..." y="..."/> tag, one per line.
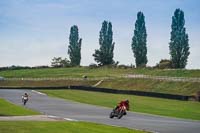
<point x="158" y="106"/>
<point x="60" y="127"/>
<point x="9" y="109"/>
<point x="46" y="83"/>
<point x="149" y="85"/>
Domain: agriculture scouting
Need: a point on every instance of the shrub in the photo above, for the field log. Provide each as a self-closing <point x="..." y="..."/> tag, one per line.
<point x="164" y="64"/>
<point x="92" y="65"/>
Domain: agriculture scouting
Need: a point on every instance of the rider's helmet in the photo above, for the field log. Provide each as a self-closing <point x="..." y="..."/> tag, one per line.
<point x="127" y="101"/>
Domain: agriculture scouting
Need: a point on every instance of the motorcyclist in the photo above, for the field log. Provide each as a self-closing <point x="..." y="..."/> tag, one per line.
<point x="25" y="97"/>
<point x="123" y="103"/>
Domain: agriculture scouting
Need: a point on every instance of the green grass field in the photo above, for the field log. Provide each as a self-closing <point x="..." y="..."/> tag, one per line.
<point x="158" y="106"/>
<point x="149" y="85"/>
<point x="76" y="72"/>
<point x="25" y="83"/>
<point x="97" y="72"/>
<point x="9" y="109"/>
<point x="60" y="127"/>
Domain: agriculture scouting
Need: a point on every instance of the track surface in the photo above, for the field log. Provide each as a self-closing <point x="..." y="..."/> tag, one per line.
<point x="84" y="112"/>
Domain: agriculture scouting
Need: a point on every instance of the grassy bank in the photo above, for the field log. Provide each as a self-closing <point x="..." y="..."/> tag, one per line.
<point x="47" y="83"/>
<point x="165" y="107"/>
<point x="149" y="85"/>
<point x="9" y="109"/>
<point x="96" y="72"/>
<point x="60" y="127"/>
<point x="76" y="72"/>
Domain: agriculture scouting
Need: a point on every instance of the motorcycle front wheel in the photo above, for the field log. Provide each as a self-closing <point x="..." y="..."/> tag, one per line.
<point x="120" y="114"/>
<point x="112" y="115"/>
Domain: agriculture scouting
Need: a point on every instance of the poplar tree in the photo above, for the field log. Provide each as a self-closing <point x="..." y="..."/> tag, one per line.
<point x="104" y="55"/>
<point x="139" y="41"/>
<point x="74" y="48"/>
<point x="179" y="46"/>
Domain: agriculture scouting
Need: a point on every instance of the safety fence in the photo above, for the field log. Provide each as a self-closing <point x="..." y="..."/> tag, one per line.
<point x="130" y="76"/>
<point x="166" y="78"/>
<point x="56" y="79"/>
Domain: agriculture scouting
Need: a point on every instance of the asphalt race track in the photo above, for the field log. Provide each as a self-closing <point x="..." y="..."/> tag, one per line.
<point x="84" y="112"/>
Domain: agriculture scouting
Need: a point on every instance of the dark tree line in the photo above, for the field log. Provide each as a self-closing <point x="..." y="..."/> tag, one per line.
<point x="178" y="46"/>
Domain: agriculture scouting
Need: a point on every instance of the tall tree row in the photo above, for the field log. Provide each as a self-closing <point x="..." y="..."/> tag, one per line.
<point x="179" y="46"/>
<point x="74" y="48"/>
<point x="139" y="41"/>
<point x="104" y="55"/>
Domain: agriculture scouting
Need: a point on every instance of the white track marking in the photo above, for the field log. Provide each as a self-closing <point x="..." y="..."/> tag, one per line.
<point x="56" y="117"/>
<point x="39" y="92"/>
<point x="52" y="116"/>
<point x="69" y="119"/>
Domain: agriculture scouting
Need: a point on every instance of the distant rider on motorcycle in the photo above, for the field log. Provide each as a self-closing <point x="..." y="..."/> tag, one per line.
<point x="25" y="98"/>
<point x="123" y="103"/>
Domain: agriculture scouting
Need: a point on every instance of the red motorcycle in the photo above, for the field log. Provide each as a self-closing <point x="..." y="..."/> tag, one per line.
<point x="119" y="112"/>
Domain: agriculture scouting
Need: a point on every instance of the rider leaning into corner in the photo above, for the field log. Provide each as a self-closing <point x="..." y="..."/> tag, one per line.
<point x="123" y="103"/>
